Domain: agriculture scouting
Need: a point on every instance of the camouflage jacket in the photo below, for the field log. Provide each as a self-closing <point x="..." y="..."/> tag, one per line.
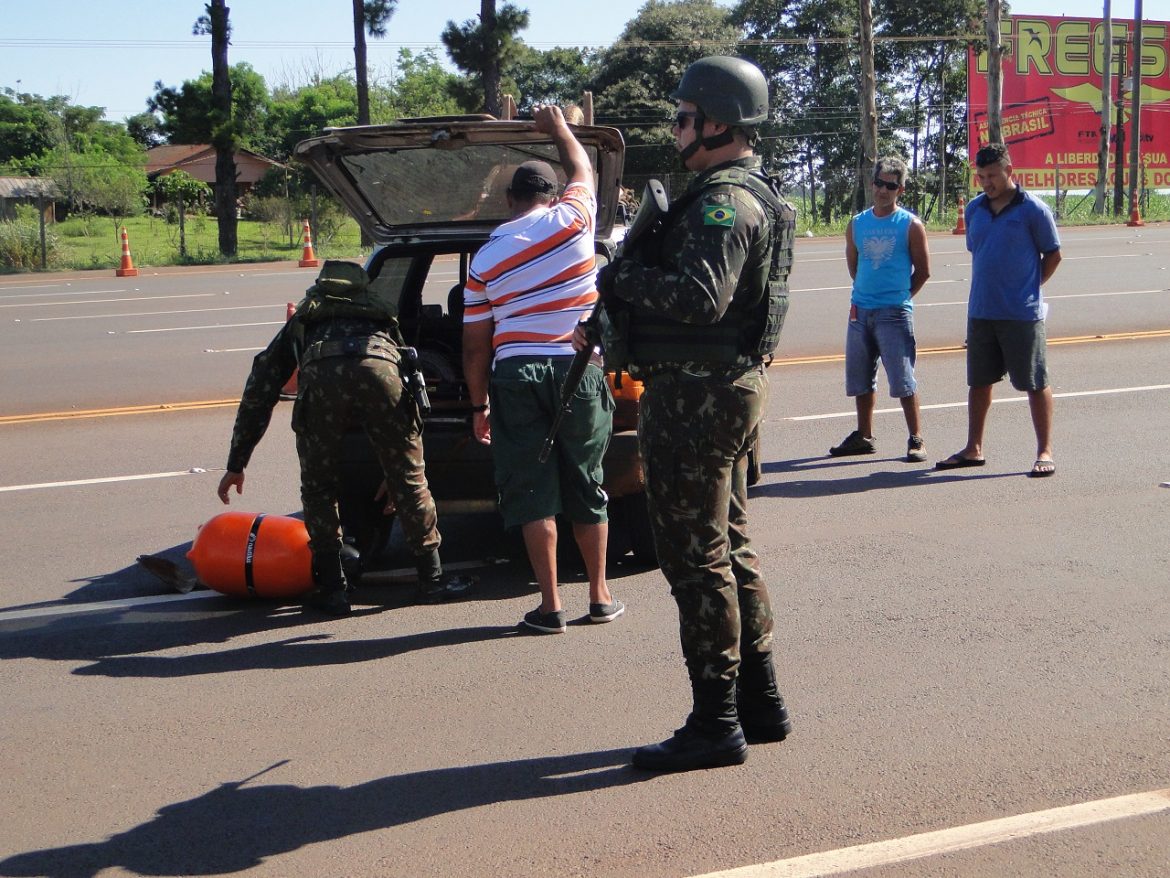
<point x="271" y="370"/>
<point x="716" y="246"/>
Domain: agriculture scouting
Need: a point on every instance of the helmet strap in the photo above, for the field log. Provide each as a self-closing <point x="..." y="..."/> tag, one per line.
<point x="708" y="143"/>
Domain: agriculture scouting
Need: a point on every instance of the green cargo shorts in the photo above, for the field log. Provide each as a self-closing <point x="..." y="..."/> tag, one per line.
<point x="525" y="397"/>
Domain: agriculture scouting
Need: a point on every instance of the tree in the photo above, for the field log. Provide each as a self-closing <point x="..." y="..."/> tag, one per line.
<point x="305" y="112"/>
<point x="95" y="180"/>
<point x="637" y="74"/>
<point x="146" y="129"/>
<point x="183" y="189"/>
<point x="26" y="126"/>
<point x="421" y="86"/>
<point x="223" y="130"/>
<point x="483" y="50"/>
<point x="187" y="111"/>
<point x="557" y="76"/>
<point x="370" y="16"/>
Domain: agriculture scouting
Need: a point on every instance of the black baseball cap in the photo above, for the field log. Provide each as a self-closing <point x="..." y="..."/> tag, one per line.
<point x="534" y="177"/>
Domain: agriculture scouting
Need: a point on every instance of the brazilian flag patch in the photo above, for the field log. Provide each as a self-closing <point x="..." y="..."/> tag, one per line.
<point x="719" y="215"/>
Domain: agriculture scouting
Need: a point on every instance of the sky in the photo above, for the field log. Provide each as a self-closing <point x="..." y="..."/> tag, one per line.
<point x="110" y="54"/>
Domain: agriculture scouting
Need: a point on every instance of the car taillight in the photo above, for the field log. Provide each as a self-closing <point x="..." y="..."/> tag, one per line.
<point x="627" y="397"/>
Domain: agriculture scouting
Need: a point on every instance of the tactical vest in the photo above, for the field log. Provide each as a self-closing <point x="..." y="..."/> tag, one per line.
<point x="343" y="293"/>
<point x="750" y="328"/>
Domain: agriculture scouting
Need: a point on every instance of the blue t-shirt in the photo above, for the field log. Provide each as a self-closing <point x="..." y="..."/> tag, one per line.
<point x="883" y="259"/>
<point x="1005" y="257"/>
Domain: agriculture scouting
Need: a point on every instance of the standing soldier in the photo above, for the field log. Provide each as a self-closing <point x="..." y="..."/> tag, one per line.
<point x="704" y="307"/>
<point x="354" y="371"/>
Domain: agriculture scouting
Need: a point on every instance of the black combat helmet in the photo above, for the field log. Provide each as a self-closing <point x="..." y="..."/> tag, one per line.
<point x="728" y="90"/>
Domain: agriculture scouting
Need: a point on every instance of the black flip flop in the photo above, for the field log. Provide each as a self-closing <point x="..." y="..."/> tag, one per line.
<point x="957" y="461"/>
<point x="1042" y="468"/>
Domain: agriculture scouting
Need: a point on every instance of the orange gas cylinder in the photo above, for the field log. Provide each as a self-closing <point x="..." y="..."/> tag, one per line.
<point x="253" y="554"/>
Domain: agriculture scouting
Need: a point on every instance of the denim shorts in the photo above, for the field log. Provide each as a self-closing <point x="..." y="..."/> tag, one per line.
<point x="525" y="396"/>
<point x="1017" y="347"/>
<point x="886" y="334"/>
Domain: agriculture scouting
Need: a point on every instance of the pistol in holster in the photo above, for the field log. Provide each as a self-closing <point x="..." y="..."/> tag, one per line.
<point x="413" y="380"/>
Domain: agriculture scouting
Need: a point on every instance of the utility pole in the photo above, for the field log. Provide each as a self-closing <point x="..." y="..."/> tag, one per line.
<point x="1119" y="157"/>
<point x="1106" y="101"/>
<point x="994" y="73"/>
<point x="868" y="104"/>
<point x="1135" y="107"/>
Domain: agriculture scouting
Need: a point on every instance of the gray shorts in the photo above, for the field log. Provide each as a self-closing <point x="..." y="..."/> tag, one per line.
<point x="1015" y="347"/>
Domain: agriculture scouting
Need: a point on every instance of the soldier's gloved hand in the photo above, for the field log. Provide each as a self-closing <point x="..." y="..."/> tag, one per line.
<point x="606" y="276"/>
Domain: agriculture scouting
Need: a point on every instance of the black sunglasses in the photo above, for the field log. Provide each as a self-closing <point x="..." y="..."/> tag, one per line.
<point x="680" y="119"/>
<point x="892" y="187"/>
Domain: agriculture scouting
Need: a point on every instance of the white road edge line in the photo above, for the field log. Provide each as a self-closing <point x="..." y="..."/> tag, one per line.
<point x="378" y="577"/>
<point x="951" y="405"/>
<point x="75" y="483"/>
<point x="943" y="841"/>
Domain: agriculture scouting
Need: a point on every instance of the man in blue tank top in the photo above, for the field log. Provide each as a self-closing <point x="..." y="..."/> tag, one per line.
<point x="889" y="260"/>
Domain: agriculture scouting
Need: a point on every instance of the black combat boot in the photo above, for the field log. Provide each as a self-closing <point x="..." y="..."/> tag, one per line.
<point x="711" y="737"/>
<point x="432" y="589"/>
<point x="329" y="596"/>
<point x="761" y="708"/>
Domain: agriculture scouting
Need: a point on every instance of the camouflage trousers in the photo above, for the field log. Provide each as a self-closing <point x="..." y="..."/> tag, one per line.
<point x="336" y="394"/>
<point x="694" y="434"/>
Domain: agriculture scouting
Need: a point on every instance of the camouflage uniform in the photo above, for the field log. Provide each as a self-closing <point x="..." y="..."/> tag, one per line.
<point x="698" y="420"/>
<point x="336" y="393"/>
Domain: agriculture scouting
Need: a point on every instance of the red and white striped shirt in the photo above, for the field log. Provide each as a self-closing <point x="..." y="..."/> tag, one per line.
<point x="536" y="278"/>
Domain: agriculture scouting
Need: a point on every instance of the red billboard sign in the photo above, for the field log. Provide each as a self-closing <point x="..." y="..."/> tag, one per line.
<point x="1051" y="105"/>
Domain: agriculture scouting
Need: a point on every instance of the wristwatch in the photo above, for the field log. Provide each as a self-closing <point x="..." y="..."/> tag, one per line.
<point x="480" y="408"/>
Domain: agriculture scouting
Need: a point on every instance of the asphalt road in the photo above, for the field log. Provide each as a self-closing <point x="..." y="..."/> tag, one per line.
<point x="957" y="648"/>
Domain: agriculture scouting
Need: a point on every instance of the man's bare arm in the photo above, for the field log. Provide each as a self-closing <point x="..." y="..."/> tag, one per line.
<point x="574" y="159"/>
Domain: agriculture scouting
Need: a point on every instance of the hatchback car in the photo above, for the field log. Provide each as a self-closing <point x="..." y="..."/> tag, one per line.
<point x="429" y="192"/>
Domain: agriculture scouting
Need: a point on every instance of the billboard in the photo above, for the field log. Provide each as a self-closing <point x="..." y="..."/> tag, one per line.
<point x="1051" y="104"/>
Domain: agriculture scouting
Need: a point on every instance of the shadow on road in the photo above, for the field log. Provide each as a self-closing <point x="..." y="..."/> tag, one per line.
<point x="912" y="475"/>
<point x="236" y="826"/>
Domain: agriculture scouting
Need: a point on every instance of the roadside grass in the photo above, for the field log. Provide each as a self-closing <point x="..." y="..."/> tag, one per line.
<point x="96" y="243"/>
<point x="1076" y="210"/>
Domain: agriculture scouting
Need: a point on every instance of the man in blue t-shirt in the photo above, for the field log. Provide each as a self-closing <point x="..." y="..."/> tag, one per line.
<point x="1014" y="250"/>
<point x="889" y="261"/>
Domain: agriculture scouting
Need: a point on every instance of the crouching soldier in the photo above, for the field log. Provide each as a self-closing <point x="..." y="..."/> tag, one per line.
<point x="355" y="370"/>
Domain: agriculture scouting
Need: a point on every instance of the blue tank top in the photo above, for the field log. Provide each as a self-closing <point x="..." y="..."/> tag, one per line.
<point x="883" y="259"/>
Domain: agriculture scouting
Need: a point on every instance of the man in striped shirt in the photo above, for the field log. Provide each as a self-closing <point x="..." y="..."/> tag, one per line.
<point x="528" y="287"/>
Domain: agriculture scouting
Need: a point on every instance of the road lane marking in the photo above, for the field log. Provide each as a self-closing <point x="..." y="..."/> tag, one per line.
<point x="954" y="349"/>
<point x="951" y="405"/>
<point x="74" y="293"/>
<point x="793" y="361"/>
<point x="959" y="838"/>
<point x="149" y="313"/>
<point x="1057" y="296"/>
<point x="157" y="408"/>
<point x="214" y="326"/>
<point x="374" y="577"/>
<point x="102" y="481"/>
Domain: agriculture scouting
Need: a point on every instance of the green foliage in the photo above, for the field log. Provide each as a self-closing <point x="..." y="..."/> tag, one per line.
<point x="557" y="76"/>
<point x="188" y="111"/>
<point x="305" y="112"/>
<point x="482" y="52"/>
<point x="636" y="76"/>
<point x="420" y="86"/>
<point x="20" y="241"/>
<point x="180" y="184"/>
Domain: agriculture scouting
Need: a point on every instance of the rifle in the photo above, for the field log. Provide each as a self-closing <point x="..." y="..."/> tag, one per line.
<point x="647" y="221"/>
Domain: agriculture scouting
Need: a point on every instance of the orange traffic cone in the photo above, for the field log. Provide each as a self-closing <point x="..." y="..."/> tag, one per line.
<point x="1135" y="217"/>
<point x="127" y="269"/>
<point x="253" y="554"/>
<point x="961" y="226"/>
<point x="308" y="258"/>
<point x="289" y="391"/>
